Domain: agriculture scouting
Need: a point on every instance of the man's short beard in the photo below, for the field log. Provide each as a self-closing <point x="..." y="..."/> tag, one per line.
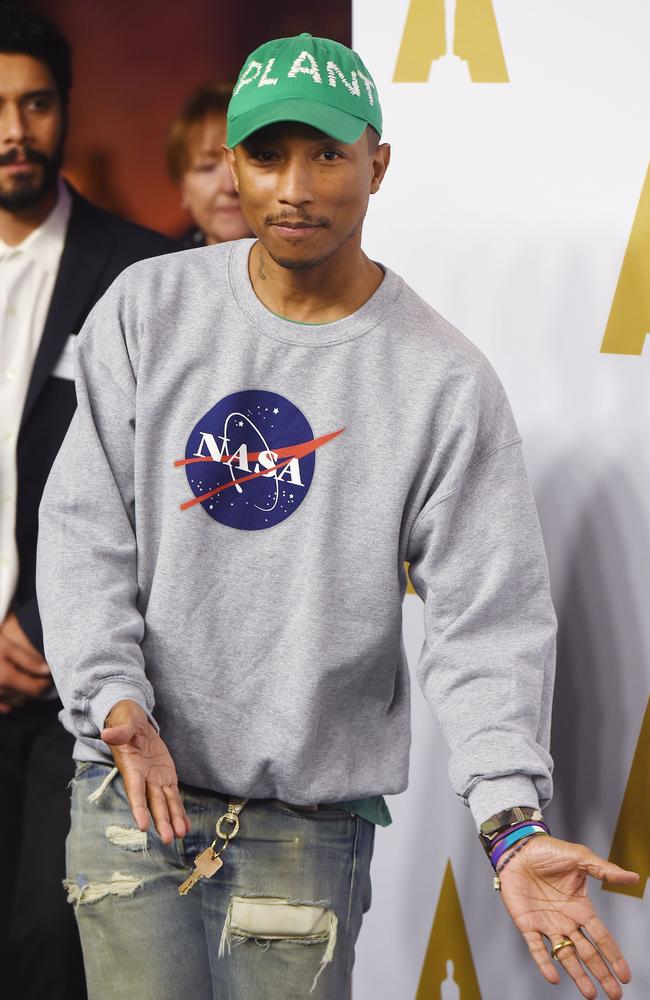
<point x="31" y="193"/>
<point x="299" y="265"/>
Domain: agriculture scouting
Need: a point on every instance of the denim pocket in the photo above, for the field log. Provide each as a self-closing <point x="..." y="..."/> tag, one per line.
<point x="85" y="769"/>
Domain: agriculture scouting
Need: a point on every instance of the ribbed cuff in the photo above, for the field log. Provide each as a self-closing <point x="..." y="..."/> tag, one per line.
<point x="108" y="695"/>
<point x="493" y="795"/>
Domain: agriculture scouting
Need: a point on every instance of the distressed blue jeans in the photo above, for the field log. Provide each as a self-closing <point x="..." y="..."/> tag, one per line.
<point x="279" y="921"/>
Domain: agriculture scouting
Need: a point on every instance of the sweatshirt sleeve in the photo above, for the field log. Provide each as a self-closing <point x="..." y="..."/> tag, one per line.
<point x="487" y="664"/>
<point x="86" y="557"/>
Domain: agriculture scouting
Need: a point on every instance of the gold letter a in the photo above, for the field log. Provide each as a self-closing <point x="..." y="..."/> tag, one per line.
<point x="631" y="844"/>
<point x="449" y="956"/>
<point x="476" y="40"/>
<point x="629" y="320"/>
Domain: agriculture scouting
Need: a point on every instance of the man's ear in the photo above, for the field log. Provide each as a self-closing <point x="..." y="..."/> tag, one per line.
<point x="231" y="159"/>
<point x="380" y="161"/>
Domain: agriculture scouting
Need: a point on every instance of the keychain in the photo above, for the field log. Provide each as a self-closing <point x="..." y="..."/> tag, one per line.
<point x="208" y="862"/>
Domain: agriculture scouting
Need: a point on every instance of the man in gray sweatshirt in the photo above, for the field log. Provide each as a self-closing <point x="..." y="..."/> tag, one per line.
<point x="266" y="430"/>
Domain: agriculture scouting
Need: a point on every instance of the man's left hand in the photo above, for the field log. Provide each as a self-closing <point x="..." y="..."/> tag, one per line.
<point x="544" y="889"/>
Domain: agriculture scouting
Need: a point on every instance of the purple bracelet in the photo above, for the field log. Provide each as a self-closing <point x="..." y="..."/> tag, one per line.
<point x="513" y="836"/>
<point x="512" y="829"/>
<point x="505" y="858"/>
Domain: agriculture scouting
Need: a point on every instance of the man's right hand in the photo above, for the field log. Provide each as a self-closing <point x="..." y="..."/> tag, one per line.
<point x="24" y="674"/>
<point x="147" y="769"/>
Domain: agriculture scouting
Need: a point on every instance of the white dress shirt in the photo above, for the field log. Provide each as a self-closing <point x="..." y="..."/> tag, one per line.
<point x="27" y="275"/>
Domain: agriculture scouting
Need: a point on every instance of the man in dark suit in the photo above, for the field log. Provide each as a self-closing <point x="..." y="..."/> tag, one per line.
<point x="58" y="254"/>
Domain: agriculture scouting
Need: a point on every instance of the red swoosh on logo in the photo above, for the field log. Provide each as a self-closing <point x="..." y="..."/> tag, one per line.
<point x="293" y="451"/>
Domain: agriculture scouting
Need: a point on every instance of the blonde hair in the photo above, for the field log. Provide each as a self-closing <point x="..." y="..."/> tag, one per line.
<point x="211" y="99"/>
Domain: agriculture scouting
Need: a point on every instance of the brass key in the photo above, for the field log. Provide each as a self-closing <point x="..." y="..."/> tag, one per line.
<point x="207" y="864"/>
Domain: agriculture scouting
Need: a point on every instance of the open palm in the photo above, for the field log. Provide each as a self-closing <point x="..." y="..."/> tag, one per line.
<point x="148" y="771"/>
<point x="544" y="889"/>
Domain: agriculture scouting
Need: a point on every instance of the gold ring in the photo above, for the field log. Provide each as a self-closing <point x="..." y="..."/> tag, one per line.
<point x="564" y="943"/>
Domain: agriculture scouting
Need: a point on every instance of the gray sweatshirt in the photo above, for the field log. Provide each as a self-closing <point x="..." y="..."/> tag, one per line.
<point x="224" y="531"/>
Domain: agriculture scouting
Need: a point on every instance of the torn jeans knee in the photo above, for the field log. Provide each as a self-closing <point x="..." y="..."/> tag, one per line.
<point x="82" y="890"/>
<point x="130" y="838"/>
<point x="270" y="918"/>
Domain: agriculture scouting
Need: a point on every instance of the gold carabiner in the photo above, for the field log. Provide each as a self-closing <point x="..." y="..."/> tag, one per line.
<point x="231" y="816"/>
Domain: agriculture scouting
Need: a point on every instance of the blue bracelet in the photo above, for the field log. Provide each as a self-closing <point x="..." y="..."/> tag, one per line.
<point x="510" y="839"/>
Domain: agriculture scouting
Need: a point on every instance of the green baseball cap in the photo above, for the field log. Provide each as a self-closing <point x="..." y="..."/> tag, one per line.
<point x="304" y="79"/>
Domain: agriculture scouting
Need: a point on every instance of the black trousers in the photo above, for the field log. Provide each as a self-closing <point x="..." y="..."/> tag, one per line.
<point x="40" y="954"/>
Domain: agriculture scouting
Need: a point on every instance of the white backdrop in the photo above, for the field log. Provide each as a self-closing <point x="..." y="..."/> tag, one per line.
<point x="508" y="206"/>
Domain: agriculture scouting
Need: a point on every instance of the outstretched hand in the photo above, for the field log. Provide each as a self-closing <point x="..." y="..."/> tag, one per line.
<point x="147" y="769"/>
<point x="544" y="889"/>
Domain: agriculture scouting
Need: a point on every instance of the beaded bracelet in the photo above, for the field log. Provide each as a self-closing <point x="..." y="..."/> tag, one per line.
<point x="510" y="838"/>
<point x="496" y="881"/>
<point x="505" y="858"/>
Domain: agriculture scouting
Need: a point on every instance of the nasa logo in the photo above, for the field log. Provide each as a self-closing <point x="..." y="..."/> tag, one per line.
<point x="250" y="460"/>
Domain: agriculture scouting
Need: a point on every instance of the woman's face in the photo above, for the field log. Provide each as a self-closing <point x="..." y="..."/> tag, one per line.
<point x="207" y="190"/>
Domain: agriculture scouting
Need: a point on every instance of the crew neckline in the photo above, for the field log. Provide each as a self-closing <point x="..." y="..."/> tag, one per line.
<point x="299" y="321"/>
<point x="308" y="334"/>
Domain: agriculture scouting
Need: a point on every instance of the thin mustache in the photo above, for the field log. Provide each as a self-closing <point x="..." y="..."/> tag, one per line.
<point x="31" y="155"/>
<point x="277" y="220"/>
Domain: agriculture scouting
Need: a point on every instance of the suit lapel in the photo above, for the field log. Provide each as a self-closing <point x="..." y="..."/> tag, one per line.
<point x="87" y="246"/>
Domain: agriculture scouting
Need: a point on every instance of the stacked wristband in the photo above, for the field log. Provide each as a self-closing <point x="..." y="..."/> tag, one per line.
<point x="513" y="835"/>
<point x="507" y="832"/>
